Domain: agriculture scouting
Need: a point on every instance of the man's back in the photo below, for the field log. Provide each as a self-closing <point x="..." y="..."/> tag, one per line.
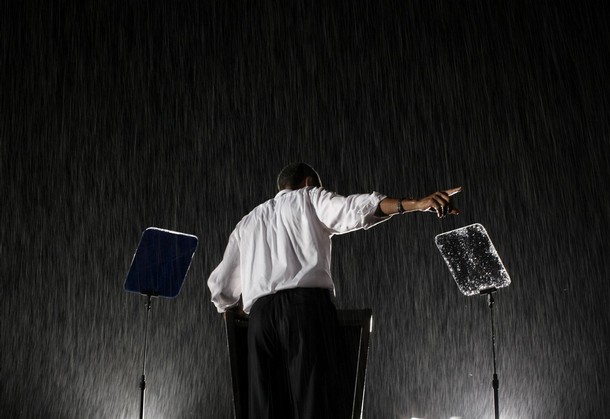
<point x="285" y="243"/>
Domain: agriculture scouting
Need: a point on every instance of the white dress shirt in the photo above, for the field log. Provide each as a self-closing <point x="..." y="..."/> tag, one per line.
<point x="285" y="243"/>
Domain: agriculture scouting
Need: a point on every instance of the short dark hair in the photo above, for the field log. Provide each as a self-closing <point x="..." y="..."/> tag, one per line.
<point x="295" y="173"/>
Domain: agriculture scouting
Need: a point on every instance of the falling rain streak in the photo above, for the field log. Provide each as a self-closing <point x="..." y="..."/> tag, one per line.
<point x="118" y="116"/>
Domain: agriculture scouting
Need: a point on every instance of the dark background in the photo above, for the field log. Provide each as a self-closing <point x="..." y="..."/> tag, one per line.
<point x="117" y="116"/>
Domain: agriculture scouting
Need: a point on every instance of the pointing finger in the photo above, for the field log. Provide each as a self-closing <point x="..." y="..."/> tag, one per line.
<point x="453" y="191"/>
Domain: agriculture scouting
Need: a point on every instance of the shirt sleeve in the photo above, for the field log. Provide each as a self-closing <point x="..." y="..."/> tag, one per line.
<point x="342" y="214"/>
<point x="225" y="282"/>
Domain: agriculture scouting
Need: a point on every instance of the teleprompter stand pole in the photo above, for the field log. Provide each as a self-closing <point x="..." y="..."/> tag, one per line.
<point x="143" y="380"/>
<point x="495" y="383"/>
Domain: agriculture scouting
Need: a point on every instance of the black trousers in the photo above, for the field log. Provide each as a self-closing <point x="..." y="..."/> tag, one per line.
<point x="293" y="357"/>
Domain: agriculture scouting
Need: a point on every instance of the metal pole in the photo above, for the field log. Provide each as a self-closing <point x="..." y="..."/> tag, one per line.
<point x="495" y="383"/>
<point x="143" y="380"/>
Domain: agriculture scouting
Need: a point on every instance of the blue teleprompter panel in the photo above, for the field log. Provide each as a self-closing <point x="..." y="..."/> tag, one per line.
<point x="161" y="262"/>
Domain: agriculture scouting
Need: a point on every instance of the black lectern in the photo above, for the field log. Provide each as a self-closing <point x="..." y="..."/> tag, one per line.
<point x="158" y="269"/>
<point x="477" y="270"/>
<point x="355" y="329"/>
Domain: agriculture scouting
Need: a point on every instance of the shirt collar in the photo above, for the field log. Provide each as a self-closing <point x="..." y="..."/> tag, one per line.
<point x="283" y="192"/>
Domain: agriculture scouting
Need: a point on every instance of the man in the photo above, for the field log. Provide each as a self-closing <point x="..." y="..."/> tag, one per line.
<point x="276" y="268"/>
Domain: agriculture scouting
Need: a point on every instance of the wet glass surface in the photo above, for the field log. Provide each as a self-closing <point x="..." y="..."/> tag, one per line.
<point x="472" y="259"/>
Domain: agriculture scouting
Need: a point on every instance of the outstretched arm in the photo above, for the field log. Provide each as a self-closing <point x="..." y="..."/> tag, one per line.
<point x="439" y="202"/>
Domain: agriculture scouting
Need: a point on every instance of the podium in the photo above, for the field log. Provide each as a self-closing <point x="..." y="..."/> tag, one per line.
<point x="355" y="330"/>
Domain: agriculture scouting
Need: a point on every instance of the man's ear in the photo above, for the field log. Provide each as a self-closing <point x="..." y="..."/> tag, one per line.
<point x="309" y="181"/>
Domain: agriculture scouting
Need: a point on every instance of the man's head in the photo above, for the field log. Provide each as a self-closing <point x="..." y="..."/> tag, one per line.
<point x="297" y="175"/>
